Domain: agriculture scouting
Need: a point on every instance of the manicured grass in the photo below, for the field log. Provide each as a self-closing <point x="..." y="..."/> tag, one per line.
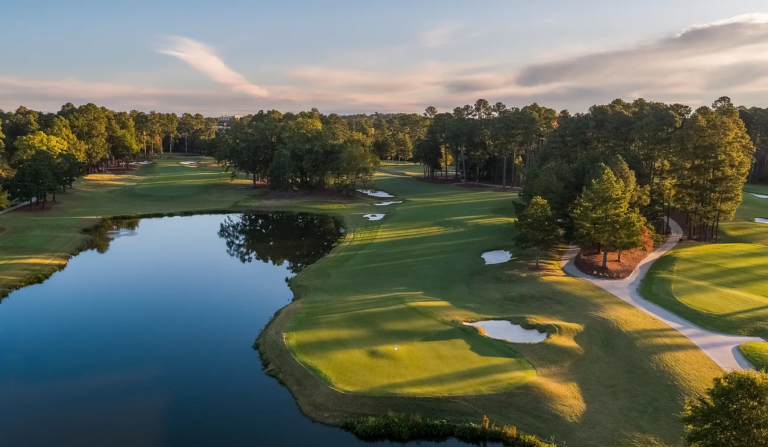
<point x="608" y="375"/>
<point x="723" y="287"/>
<point x="756" y="354"/>
<point x="743" y="229"/>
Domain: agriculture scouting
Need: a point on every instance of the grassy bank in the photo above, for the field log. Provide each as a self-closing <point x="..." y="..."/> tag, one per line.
<point x="608" y="375"/>
<point x="36" y="243"/>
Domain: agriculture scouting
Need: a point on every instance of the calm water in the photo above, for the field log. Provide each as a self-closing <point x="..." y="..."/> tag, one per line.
<point x="147" y="340"/>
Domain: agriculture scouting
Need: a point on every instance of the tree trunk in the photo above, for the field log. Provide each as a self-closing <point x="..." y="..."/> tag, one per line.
<point x="464" y="165"/>
<point x="537" y="257"/>
<point x="254" y="179"/>
<point x="605" y="258"/>
<point x="504" y="184"/>
<point x="619" y="256"/>
<point x="477" y="175"/>
<point x="717" y="229"/>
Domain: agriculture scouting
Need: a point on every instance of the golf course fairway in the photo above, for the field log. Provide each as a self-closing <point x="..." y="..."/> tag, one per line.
<point x="723" y="286"/>
<point x="607" y="374"/>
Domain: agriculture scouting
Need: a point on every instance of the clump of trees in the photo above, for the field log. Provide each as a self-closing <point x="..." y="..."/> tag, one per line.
<point x="734" y="412"/>
<point x="666" y="156"/>
<point x="305" y="151"/>
<point x="87" y="139"/>
<point x="485" y="142"/>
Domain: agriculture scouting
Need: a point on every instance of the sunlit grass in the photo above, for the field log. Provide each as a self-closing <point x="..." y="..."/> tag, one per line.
<point x="756" y="354"/>
<point x="723" y="287"/>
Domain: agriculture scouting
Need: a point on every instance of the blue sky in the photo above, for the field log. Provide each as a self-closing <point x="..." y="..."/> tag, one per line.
<point x="239" y="57"/>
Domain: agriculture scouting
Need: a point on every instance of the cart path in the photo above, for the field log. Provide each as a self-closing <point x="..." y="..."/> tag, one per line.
<point x="722" y="348"/>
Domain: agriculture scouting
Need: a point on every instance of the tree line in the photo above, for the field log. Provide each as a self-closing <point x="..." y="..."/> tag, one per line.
<point x="42" y="153"/>
<point x="306" y="151"/>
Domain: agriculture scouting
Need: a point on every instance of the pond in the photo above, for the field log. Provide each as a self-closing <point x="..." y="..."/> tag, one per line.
<point x="147" y="339"/>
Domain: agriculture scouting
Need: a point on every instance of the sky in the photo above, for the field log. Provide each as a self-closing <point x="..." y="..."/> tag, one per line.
<point x="239" y="57"/>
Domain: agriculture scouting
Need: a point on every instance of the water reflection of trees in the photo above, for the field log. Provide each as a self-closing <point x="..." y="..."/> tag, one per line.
<point x="298" y="239"/>
<point x="108" y="230"/>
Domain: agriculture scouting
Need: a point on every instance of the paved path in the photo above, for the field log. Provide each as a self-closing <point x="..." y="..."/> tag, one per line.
<point x="722" y="348"/>
<point x="8" y="210"/>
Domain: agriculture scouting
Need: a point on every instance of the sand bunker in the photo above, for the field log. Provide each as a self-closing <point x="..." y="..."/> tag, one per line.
<point x="760" y="196"/>
<point x="504" y="330"/>
<point x="374" y="216"/>
<point x="187" y="162"/>
<point x="374" y="193"/>
<point x="761" y="220"/>
<point x="388" y="203"/>
<point x="141" y="162"/>
<point x="497" y="257"/>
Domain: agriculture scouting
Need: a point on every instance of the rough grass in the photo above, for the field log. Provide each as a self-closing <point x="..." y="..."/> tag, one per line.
<point x="608" y="374"/>
<point x="756" y="354"/>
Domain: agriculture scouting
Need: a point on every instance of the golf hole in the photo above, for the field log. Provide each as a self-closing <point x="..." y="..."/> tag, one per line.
<point x="497" y="257"/>
<point x="504" y="330"/>
<point x="373" y="193"/>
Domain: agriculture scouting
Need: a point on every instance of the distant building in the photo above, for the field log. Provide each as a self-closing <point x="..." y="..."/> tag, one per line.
<point x="225" y="122"/>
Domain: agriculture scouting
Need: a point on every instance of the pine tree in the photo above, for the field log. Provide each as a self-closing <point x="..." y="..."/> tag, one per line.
<point x="537" y="227"/>
<point x="603" y="215"/>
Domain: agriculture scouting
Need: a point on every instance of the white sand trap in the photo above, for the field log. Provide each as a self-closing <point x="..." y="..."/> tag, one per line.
<point x="141" y="162"/>
<point x="497" y="257"/>
<point x="761" y="220"/>
<point x="504" y="330"/>
<point x="187" y="162"/>
<point x="372" y="193"/>
<point x="760" y="196"/>
<point x="374" y="216"/>
<point x="388" y="203"/>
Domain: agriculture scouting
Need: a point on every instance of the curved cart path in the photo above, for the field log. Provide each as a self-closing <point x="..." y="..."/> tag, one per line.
<point x="722" y="348"/>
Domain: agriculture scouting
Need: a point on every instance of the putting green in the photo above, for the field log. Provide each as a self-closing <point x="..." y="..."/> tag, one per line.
<point x="723" y="287"/>
<point x="351" y="343"/>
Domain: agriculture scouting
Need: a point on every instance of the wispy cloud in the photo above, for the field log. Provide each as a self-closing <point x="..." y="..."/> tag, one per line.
<point x="204" y="59"/>
<point x="727" y="57"/>
<point x="439" y="37"/>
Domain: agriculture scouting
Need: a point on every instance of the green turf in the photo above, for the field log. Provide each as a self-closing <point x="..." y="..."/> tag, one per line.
<point x="756" y="354"/>
<point x="724" y="286"/>
<point x="743" y="229"/>
<point x="608" y="375"/>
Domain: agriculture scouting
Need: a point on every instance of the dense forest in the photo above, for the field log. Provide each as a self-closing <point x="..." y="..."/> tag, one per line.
<point x="666" y="156"/>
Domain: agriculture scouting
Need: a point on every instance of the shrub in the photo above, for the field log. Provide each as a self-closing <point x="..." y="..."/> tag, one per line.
<point x="401" y="428"/>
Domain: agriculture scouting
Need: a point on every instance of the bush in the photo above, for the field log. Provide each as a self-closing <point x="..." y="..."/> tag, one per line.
<point x="401" y="428"/>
